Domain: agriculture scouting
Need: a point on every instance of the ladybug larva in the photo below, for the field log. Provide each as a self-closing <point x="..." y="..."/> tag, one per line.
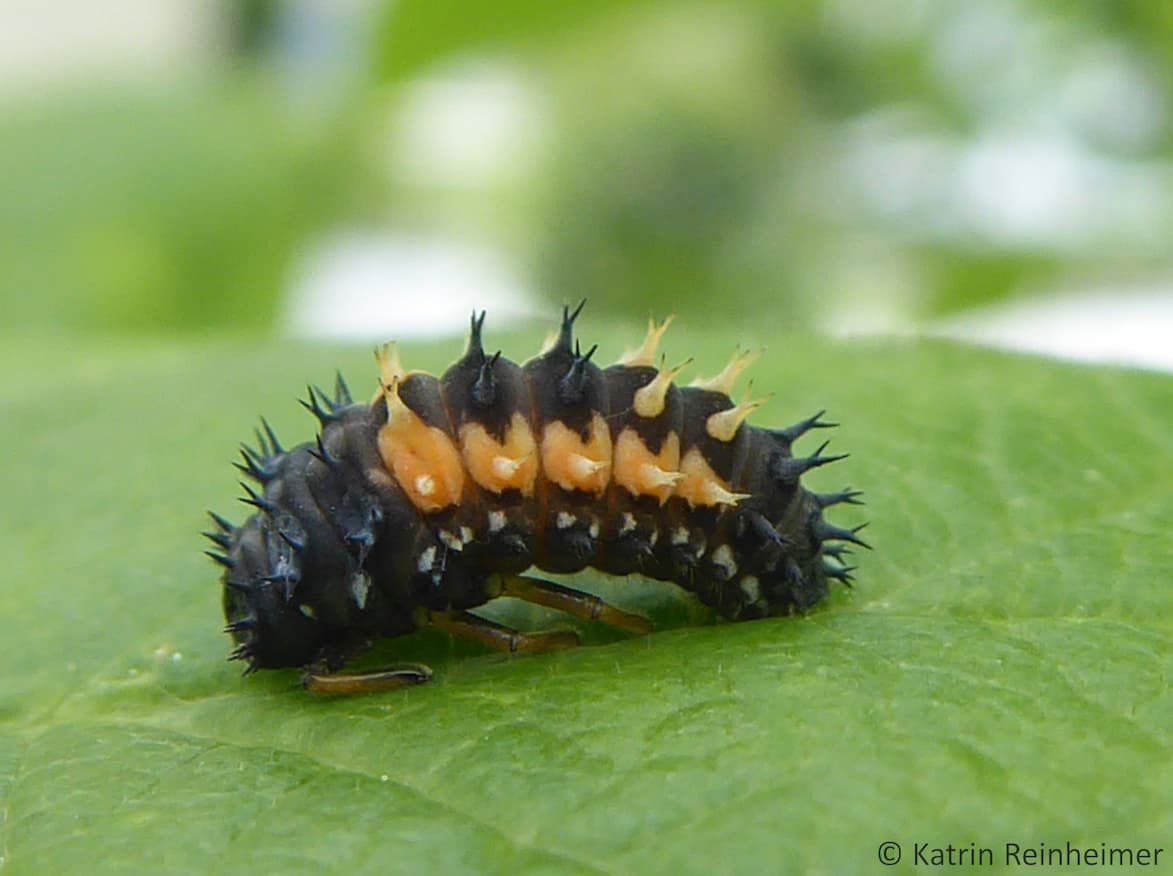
<point x="442" y="493"/>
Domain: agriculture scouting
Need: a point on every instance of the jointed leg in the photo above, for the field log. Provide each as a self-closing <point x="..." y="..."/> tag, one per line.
<point x="495" y="635"/>
<point x="573" y="602"/>
<point x="320" y="681"/>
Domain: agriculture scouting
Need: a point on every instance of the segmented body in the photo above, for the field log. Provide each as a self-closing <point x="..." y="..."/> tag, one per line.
<point x="421" y="500"/>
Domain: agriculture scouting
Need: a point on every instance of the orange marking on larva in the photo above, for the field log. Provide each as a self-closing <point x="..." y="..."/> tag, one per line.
<point x="574" y="464"/>
<point x="643" y="473"/>
<point x="390" y="368"/>
<point x="649" y="400"/>
<point x="723" y="425"/>
<point x="423" y="459"/>
<point x="646" y="353"/>
<point x="497" y="466"/>
<point x="723" y="382"/>
<point x="701" y="486"/>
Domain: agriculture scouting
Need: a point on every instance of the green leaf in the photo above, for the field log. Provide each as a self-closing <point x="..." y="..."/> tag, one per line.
<point x="1000" y="673"/>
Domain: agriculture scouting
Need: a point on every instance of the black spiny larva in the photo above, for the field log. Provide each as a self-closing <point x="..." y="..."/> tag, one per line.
<point x="439" y="494"/>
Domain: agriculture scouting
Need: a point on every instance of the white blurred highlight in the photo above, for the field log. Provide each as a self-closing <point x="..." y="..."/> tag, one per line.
<point x="1123" y="327"/>
<point x="376" y="287"/>
<point x="46" y="45"/>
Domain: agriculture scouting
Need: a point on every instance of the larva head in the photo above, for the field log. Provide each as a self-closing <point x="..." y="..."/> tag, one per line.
<point x="270" y="628"/>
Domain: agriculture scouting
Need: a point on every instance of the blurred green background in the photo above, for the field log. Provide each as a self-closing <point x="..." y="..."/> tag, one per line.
<point x="841" y="164"/>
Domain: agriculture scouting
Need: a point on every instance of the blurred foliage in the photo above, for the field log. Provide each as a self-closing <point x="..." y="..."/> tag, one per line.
<point x="750" y="157"/>
<point x="168" y="210"/>
<point x="653" y="213"/>
<point x="657" y="195"/>
<point x="253" y="22"/>
<point x="415" y="33"/>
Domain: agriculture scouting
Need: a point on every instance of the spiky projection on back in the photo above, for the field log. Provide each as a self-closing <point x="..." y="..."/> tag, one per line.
<point x="437" y="496"/>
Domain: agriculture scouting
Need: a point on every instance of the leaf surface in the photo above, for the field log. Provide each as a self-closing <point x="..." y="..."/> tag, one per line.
<point x="1000" y="673"/>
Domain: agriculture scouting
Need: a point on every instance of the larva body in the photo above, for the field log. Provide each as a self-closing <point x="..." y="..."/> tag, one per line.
<point x="438" y="495"/>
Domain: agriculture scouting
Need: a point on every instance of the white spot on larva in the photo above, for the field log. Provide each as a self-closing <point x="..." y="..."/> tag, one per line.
<point x="628" y="523"/>
<point x="465" y="534"/>
<point x="594" y="528"/>
<point x="427" y="558"/>
<point x="751" y="587"/>
<point x="177" y="657"/>
<point x="504" y="467"/>
<point x="679" y="535"/>
<point x="308" y="611"/>
<point x="425" y="485"/>
<point x="384" y="778"/>
<point x="360" y="586"/>
<point x="451" y="540"/>
<point x="565" y="520"/>
<point x="497" y="521"/>
<point x="653" y="537"/>
<point x="583" y="467"/>
<point x="723" y="558"/>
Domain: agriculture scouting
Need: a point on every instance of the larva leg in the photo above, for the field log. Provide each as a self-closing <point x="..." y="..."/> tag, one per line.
<point x="321" y="681"/>
<point x="499" y="636"/>
<point x="573" y="602"/>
